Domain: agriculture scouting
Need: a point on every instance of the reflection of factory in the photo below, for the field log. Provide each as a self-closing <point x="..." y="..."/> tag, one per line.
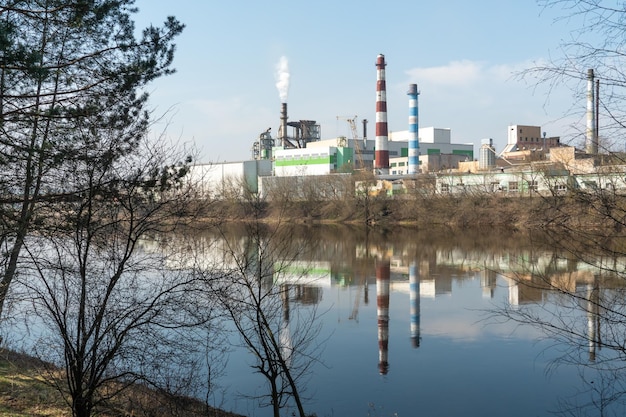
<point x="433" y="275"/>
<point x="422" y="273"/>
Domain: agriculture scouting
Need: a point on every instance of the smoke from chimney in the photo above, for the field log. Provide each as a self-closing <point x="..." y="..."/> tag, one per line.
<point x="282" y="78"/>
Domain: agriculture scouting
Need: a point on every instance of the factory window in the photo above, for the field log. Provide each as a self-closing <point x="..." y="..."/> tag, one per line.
<point x="532" y="185"/>
<point x="401" y="164"/>
<point x="393" y="172"/>
<point x="513" y="186"/>
<point x="393" y="164"/>
<point x="445" y="188"/>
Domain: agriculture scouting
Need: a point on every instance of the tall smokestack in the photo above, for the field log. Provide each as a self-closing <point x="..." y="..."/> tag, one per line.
<point x="364" y="133"/>
<point x="414" y="149"/>
<point x="381" y="154"/>
<point x="282" y="132"/>
<point x="591" y="144"/>
<point x="282" y="84"/>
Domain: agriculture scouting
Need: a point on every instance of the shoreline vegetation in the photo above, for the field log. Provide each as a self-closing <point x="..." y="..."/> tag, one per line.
<point x="452" y="211"/>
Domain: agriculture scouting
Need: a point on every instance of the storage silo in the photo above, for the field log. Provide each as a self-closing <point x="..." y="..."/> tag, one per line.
<point x="487" y="154"/>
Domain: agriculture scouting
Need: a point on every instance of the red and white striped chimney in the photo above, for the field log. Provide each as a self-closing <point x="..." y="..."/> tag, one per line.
<point x="381" y="154"/>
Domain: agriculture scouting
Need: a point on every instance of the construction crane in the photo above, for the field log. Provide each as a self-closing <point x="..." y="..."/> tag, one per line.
<point x="355" y="140"/>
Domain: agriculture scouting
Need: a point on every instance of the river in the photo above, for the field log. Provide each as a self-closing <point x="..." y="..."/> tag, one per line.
<point x="419" y="323"/>
<point x="390" y="322"/>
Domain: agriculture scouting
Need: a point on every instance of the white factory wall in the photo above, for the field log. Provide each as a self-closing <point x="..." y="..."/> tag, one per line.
<point x="432" y="140"/>
<point x="425" y="135"/>
<point x="427" y="163"/>
<point x="219" y="179"/>
<point x="526" y="182"/>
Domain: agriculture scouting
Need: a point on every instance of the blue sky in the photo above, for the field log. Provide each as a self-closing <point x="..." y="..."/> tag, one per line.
<point x="461" y="54"/>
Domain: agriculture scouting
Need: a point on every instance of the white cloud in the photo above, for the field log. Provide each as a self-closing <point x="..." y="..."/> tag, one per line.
<point x="479" y="100"/>
<point x="456" y="73"/>
<point x="470" y="74"/>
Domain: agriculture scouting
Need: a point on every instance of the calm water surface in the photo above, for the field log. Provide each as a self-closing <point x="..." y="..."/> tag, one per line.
<point x="410" y="325"/>
<point x="406" y="328"/>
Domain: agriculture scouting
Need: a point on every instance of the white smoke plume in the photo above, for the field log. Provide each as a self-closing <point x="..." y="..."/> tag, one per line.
<point x="282" y="78"/>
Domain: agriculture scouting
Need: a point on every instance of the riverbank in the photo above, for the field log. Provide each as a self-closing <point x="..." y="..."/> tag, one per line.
<point x="465" y="211"/>
<point x="25" y="392"/>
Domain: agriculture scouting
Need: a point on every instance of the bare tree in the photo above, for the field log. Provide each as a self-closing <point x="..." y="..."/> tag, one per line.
<point x="257" y="296"/>
<point x="115" y="308"/>
<point x="595" y="41"/>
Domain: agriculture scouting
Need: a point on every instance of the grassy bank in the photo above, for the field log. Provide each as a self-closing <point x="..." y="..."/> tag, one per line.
<point x="24" y="392"/>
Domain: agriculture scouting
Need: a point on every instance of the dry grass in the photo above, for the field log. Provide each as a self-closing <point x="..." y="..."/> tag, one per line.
<point x="25" y="393"/>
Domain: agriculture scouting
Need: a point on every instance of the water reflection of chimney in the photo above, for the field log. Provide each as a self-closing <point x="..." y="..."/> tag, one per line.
<point x="284" y="293"/>
<point x="414" y="300"/>
<point x="488" y="282"/>
<point x="285" y="334"/>
<point x="383" y="274"/>
<point x="593" y="317"/>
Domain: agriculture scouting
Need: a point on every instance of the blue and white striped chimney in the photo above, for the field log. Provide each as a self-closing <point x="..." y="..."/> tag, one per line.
<point x="414" y="147"/>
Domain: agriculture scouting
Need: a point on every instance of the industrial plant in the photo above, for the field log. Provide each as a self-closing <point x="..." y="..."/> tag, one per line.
<point x="395" y="159"/>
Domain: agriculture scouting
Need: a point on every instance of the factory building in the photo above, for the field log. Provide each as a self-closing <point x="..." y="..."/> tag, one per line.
<point x="487" y="155"/>
<point x="436" y="151"/>
<point x="229" y="178"/>
<point x="410" y="152"/>
<point x="433" y="141"/>
<point x="340" y="155"/>
<point x="298" y="158"/>
<point x="523" y="140"/>
<point x="427" y="164"/>
<point x="314" y="160"/>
